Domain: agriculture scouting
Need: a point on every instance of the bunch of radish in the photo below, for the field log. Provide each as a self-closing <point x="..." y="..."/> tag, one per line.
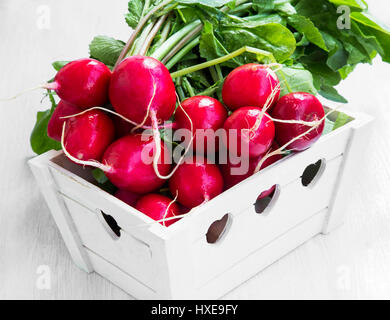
<point x="102" y="114"/>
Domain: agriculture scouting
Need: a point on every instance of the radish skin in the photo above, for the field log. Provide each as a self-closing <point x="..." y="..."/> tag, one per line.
<point x="142" y="84"/>
<point x="246" y="135"/>
<point x="231" y="179"/>
<point x="298" y="106"/>
<point x="206" y="113"/>
<point x="82" y="82"/>
<point x="63" y="109"/>
<point x="87" y="136"/>
<point x="159" y="208"/>
<point x="126" y="168"/>
<point x="250" y="85"/>
<point x="196" y="182"/>
<point x="127" y="197"/>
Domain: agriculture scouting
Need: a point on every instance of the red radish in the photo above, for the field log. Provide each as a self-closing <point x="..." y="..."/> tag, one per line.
<point x="246" y="134"/>
<point x="159" y="207"/>
<point x="127" y="197"/>
<point x="205" y="113"/>
<point x="82" y="82"/>
<point x="267" y="193"/>
<point x="232" y="179"/>
<point x="196" y="182"/>
<point x="122" y="127"/>
<point x="125" y="165"/>
<point x="142" y="90"/>
<point x="298" y="106"/>
<point x="250" y="85"/>
<point x="63" y="109"/>
<point x="88" y="135"/>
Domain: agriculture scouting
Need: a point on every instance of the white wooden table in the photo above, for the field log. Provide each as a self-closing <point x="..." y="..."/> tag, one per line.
<point x="351" y="263"/>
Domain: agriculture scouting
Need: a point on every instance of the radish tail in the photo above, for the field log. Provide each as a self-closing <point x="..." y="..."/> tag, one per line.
<point x="157" y="142"/>
<point x="148" y="109"/>
<point x="42" y="86"/>
<point x="169" y="206"/>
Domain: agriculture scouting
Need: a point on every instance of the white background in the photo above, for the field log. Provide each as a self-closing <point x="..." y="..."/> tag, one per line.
<point x="353" y="262"/>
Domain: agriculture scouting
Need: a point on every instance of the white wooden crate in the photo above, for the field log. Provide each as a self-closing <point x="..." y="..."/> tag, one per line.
<point x="150" y="261"/>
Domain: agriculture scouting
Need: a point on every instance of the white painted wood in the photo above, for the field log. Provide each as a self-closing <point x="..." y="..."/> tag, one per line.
<point x="250" y="231"/>
<point x="59" y="211"/>
<point x="360" y="136"/>
<point x="260" y="259"/>
<point x="351" y="263"/>
<point x="126" y="252"/>
<point x="120" y="278"/>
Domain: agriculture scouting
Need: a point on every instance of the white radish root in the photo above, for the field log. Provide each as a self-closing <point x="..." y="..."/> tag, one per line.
<point x="169" y="206"/>
<point x="157" y="141"/>
<point x="282" y="150"/>
<point x="148" y="109"/>
<point x="42" y="86"/>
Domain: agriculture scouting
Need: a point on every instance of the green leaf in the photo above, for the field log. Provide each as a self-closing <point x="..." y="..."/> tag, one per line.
<point x="106" y="49"/>
<point x="99" y="176"/>
<point x="295" y="79"/>
<point x="358" y="4"/>
<point x="271" y="37"/>
<point x="103" y="181"/>
<point x="210" y="48"/>
<point x="58" y="65"/>
<point x="341" y="120"/>
<point x="331" y="93"/>
<point x="39" y="140"/>
<point x="208" y="3"/>
<point x="281" y="6"/>
<point x="136" y="11"/>
<point x="369" y="27"/>
<point x="328" y="128"/>
<point x="306" y="27"/>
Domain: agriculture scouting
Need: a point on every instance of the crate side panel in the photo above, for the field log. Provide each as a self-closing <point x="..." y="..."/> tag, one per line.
<point x="250" y="231"/>
<point x="261" y="259"/>
<point x="352" y="165"/>
<point x="120" y="278"/>
<point x="129" y="254"/>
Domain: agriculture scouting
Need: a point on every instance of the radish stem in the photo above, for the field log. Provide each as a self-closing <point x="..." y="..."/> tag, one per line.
<point x="140" y="42"/>
<point x="182" y="53"/>
<point x="223" y="59"/>
<point x="182" y="43"/>
<point x="148" y="41"/>
<point x="169" y="44"/>
<point x="164" y="35"/>
<point x="188" y="87"/>
<point x="141" y="24"/>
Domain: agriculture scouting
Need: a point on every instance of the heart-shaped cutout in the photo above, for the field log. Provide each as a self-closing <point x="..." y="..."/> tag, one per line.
<point x="111" y="225"/>
<point x="312" y="173"/>
<point x="266" y="199"/>
<point x="218" y="229"/>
